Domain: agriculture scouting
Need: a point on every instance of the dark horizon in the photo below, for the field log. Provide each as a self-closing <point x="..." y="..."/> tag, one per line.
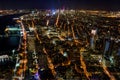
<point x="67" y="4"/>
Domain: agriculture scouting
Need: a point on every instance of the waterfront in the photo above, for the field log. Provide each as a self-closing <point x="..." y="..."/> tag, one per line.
<point x="11" y="42"/>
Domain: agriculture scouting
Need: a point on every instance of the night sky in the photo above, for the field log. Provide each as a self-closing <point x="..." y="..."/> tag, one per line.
<point x="52" y="4"/>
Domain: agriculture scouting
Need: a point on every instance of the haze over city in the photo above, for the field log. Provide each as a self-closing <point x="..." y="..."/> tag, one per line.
<point x="53" y="4"/>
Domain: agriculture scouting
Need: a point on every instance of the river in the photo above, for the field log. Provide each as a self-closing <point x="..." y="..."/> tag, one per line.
<point x="8" y="43"/>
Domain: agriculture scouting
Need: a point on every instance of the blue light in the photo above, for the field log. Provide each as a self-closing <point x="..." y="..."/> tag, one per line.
<point x="53" y="12"/>
<point x="36" y="76"/>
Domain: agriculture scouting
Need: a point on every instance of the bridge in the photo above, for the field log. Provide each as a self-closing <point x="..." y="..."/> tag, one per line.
<point x="12" y="31"/>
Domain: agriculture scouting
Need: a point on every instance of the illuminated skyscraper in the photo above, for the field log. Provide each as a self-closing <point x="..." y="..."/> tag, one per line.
<point x="93" y="38"/>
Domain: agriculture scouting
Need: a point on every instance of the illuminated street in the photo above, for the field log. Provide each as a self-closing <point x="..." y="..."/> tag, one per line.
<point x="62" y="45"/>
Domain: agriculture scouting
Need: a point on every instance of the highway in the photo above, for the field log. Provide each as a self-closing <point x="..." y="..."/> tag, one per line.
<point x="20" y="72"/>
<point x="106" y="70"/>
